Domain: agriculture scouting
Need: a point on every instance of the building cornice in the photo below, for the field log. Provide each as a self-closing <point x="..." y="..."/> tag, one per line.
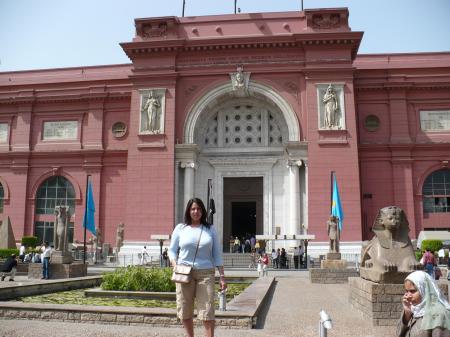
<point x="68" y="95"/>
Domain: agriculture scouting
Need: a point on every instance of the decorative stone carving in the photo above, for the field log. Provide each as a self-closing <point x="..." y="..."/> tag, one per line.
<point x="119" y="129"/>
<point x="152" y="110"/>
<point x="188" y="164"/>
<point x="155" y="28"/>
<point x="62" y="217"/>
<point x="240" y="80"/>
<point x="326" y="21"/>
<point x="389" y="256"/>
<point x="331" y="106"/>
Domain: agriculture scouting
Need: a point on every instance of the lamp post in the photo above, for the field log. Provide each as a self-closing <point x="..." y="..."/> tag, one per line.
<point x="161" y="238"/>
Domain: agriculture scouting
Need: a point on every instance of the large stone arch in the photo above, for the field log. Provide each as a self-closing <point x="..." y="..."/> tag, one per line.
<point x="254" y="88"/>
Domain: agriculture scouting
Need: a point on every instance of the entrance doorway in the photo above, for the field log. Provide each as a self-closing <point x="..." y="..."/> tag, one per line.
<point x="243" y="218"/>
<point x="243" y="208"/>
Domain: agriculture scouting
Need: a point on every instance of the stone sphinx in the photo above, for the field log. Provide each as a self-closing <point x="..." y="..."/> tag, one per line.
<point x="389" y="256"/>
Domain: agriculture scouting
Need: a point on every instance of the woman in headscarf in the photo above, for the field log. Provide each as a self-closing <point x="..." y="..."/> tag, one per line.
<point x="426" y="312"/>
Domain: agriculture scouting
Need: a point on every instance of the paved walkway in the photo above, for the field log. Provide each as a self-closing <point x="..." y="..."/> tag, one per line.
<point x="292" y="311"/>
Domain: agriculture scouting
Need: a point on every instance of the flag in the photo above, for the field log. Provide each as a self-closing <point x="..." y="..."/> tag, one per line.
<point x="89" y="220"/>
<point x="336" y="206"/>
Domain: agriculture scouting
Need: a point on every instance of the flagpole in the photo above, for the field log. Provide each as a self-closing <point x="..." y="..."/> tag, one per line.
<point x="302" y="5"/>
<point x="331" y="190"/>
<point x="184" y="4"/>
<point x="235" y="6"/>
<point x="85" y="218"/>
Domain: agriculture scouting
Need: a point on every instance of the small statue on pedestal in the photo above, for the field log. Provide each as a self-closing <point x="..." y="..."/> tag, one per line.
<point x="333" y="234"/>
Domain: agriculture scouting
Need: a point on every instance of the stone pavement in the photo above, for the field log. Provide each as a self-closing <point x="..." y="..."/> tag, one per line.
<point x="292" y="311"/>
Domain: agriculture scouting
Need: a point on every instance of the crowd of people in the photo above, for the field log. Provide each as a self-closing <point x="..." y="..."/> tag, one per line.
<point x="430" y="263"/>
<point x="246" y="244"/>
<point x="40" y="255"/>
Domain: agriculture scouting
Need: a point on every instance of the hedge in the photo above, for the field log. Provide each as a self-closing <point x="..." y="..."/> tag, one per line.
<point x="135" y="278"/>
<point x="5" y="253"/>
<point x="30" y="241"/>
<point x="432" y="245"/>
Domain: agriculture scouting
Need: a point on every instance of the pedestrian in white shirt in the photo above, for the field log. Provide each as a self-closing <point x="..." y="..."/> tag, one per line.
<point x="144" y="255"/>
<point x="46" y="261"/>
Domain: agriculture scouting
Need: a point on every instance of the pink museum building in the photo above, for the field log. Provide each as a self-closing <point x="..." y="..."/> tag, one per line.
<point x="262" y="107"/>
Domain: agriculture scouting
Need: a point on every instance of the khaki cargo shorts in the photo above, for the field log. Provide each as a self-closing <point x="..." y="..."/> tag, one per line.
<point x="200" y="289"/>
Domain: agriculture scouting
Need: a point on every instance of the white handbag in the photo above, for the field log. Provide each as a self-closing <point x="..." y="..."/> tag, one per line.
<point x="181" y="272"/>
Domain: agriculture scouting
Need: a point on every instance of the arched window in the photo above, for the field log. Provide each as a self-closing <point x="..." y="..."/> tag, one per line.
<point x="2" y="196"/>
<point x="436" y="192"/>
<point x="55" y="191"/>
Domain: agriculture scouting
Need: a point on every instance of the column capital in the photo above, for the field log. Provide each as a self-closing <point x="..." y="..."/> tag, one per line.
<point x="294" y="162"/>
<point x="188" y="164"/>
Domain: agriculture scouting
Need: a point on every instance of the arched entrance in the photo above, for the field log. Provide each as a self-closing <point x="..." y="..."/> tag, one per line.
<point x="54" y="191"/>
<point x="238" y="140"/>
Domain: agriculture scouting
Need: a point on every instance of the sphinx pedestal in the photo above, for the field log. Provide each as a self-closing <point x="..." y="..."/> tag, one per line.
<point x="381" y="303"/>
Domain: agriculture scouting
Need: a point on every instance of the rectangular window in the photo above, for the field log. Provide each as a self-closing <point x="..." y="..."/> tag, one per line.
<point x="437" y="120"/>
<point x="60" y="130"/>
<point x="44" y="231"/>
<point x="436" y="204"/>
<point x="4" y="130"/>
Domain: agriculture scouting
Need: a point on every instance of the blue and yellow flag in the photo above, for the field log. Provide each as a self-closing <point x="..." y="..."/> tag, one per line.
<point x="89" y="214"/>
<point x="336" y="206"/>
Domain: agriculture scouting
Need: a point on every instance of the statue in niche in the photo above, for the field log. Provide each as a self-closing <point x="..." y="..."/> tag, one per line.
<point x="391" y="249"/>
<point x="61" y="221"/>
<point x="331" y="109"/>
<point x="333" y="234"/>
<point x="119" y="236"/>
<point x="151" y="111"/>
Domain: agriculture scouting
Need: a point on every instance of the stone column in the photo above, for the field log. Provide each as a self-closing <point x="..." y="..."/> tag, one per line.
<point x="294" y="196"/>
<point x="304" y="230"/>
<point x="189" y="170"/>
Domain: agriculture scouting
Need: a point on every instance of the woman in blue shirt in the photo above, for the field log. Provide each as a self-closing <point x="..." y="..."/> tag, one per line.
<point x="185" y="237"/>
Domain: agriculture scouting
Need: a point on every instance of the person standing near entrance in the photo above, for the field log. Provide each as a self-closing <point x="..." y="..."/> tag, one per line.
<point x="296" y="257"/>
<point x="302" y="253"/>
<point x="46" y="254"/>
<point x="237" y="245"/>
<point x="274" y="259"/>
<point x="198" y="247"/>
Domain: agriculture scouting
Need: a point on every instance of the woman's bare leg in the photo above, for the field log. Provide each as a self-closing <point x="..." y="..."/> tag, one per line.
<point x="189" y="327"/>
<point x="209" y="328"/>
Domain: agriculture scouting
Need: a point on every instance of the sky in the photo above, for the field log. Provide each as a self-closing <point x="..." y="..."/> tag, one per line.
<point x="38" y="34"/>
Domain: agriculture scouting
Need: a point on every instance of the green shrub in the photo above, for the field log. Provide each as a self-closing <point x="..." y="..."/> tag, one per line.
<point x="134" y="278"/>
<point x="418" y="254"/>
<point x="432" y="245"/>
<point x="30" y="241"/>
<point x="5" y="253"/>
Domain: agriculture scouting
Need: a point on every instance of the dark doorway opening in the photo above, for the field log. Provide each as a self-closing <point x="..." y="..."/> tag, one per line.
<point x="243" y="218"/>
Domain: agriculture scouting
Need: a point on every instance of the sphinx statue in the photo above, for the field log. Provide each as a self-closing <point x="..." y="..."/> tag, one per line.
<point x="389" y="256"/>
